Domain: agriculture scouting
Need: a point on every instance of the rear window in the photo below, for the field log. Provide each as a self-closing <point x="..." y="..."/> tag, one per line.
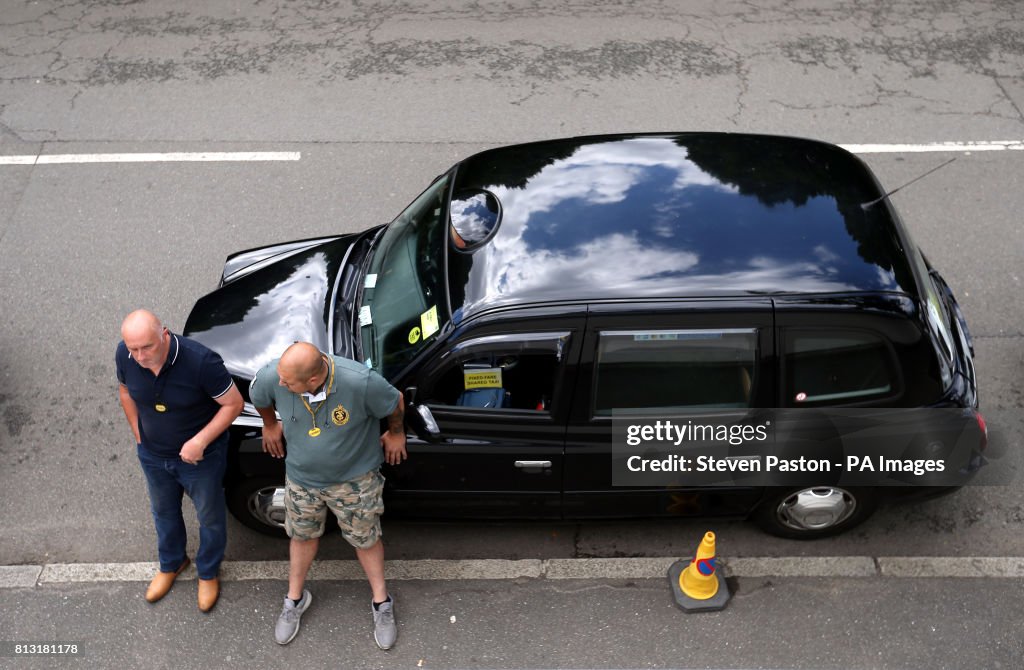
<point x="836" y="367"/>
<point x="652" y="370"/>
<point x="938" y="324"/>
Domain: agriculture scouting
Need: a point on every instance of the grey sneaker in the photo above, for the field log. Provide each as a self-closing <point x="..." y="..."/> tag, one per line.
<point x="288" y="623"/>
<point x="384" y="630"/>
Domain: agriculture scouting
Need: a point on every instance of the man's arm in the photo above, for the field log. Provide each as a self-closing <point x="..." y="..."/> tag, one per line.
<point x="230" y="407"/>
<point x="131" y="412"/>
<point x="261" y="391"/>
<point x="393" y="440"/>
<point x="273" y="432"/>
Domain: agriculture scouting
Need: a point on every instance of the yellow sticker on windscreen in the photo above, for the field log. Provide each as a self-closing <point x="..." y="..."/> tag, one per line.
<point x="414" y="335"/>
<point x="486" y="378"/>
<point x="428" y="322"/>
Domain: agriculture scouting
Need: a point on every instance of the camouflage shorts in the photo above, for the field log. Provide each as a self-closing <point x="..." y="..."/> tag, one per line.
<point x="357" y="503"/>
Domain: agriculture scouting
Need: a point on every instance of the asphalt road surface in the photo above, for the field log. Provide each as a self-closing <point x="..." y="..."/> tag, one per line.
<point x="374" y="100"/>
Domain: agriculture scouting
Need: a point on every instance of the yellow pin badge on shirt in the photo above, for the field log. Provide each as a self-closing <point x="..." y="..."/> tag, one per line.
<point x="339" y="415"/>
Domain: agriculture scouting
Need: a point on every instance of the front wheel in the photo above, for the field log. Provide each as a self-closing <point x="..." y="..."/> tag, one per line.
<point x="258" y="503"/>
<point x="813" y="512"/>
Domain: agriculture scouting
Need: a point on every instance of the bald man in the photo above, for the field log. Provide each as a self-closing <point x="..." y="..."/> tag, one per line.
<point x="331" y="408"/>
<point x="179" y="401"/>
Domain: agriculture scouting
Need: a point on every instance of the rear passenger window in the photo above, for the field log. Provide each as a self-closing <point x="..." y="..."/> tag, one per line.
<point x="649" y="371"/>
<point x="836" y="367"/>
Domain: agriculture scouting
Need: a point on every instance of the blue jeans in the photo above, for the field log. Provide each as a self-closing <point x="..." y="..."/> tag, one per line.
<point x="167" y="479"/>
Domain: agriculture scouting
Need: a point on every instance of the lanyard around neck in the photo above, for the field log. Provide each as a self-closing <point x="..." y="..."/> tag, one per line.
<point x="315" y="430"/>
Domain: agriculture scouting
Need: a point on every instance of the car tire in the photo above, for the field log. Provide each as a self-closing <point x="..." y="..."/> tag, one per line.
<point x="251" y="502"/>
<point x="808" y="513"/>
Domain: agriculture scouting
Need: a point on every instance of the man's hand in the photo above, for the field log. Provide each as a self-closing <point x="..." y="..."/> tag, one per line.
<point x="192" y="451"/>
<point x="393" y="440"/>
<point x="230" y="407"/>
<point x="394" y="447"/>
<point x="273" y="439"/>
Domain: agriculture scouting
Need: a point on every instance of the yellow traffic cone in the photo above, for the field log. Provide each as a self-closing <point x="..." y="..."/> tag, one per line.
<point x="698" y="579"/>
<point x="697" y="586"/>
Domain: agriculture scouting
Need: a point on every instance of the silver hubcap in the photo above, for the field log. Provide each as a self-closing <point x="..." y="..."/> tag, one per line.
<point x="816" y="508"/>
<point x="267" y="505"/>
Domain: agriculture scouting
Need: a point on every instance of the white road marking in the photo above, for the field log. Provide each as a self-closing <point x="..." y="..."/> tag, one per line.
<point x="27" y="576"/>
<point x="237" y="156"/>
<point x="173" y="157"/>
<point x="19" y="576"/>
<point x="949" y="566"/>
<point x="998" y="145"/>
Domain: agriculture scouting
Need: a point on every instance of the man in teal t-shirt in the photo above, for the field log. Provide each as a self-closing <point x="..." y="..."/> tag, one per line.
<point x="331" y="409"/>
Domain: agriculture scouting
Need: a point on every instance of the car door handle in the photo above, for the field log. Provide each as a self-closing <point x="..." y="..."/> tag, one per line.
<point x="533" y="464"/>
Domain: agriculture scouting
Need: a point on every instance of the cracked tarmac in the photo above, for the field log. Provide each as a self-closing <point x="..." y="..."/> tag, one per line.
<point x="379" y="97"/>
<point x="866" y="58"/>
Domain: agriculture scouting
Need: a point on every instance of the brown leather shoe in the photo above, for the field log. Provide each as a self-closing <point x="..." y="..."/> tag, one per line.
<point x="209" y="591"/>
<point x="163" y="581"/>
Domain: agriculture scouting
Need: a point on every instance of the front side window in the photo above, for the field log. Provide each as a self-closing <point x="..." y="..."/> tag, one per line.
<point x="506" y="372"/>
<point x="651" y="371"/>
<point x="836" y="367"/>
<point x="404" y="304"/>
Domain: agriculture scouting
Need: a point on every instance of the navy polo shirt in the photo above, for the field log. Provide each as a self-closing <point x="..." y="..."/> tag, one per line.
<point x="190" y="380"/>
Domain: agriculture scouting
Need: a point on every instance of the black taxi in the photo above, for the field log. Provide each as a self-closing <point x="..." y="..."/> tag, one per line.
<point x="535" y="292"/>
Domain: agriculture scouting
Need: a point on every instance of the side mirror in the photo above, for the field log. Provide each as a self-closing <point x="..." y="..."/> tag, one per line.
<point x="420" y="419"/>
<point x="474" y="216"/>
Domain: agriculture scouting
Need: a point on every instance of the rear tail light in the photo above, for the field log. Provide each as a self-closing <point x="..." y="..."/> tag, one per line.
<point x="983" y="428"/>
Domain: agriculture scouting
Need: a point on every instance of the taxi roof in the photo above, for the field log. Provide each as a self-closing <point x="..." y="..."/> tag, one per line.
<point x="679" y="215"/>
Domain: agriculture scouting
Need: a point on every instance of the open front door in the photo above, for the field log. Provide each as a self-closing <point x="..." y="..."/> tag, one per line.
<point x="500" y="402"/>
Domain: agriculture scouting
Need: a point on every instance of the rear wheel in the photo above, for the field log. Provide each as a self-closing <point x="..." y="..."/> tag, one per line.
<point x="259" y="504"/>
<point x="813" y="512"/>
